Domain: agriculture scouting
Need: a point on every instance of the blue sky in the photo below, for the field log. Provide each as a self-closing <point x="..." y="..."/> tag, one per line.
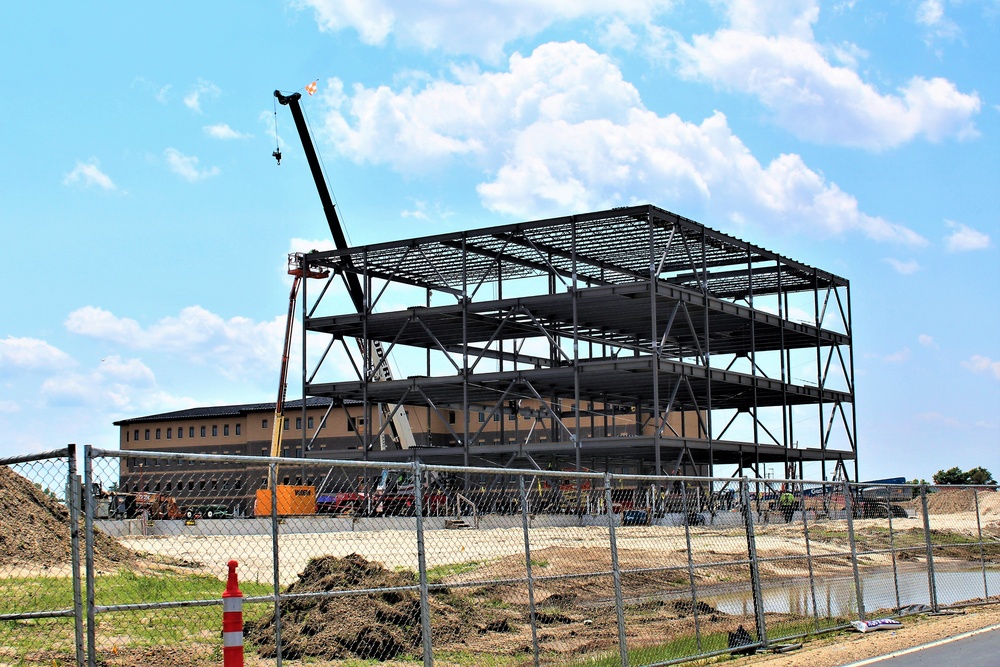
<point x="147" y="224"/>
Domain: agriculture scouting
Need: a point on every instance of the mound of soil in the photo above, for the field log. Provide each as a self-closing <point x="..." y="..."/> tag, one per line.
<point x="377" y="625"/>
<point x="35" y="529"/>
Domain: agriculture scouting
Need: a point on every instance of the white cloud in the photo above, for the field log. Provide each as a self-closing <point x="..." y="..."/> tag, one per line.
<point x="89" y="174"/>
<point x="561" y="130"/>
<point x="977" y="363"/>
<point x="31" y="354"/>
<point x="195" y="334"/>
<point x="9" y="406"/>
<point x="965" y="238"/>
<point x="203" y="89"/>
<point x="186" y="166"/>
<point x="480" y="28"/>
<point x="931" y="15"/>
<point x="161" y="93"/>
<point x="223" y="131"/>
<point x="927" y="341"/>
<point x="898" y="356"/>
<point x="769" y="51"/>
<point x="905" y="268"/>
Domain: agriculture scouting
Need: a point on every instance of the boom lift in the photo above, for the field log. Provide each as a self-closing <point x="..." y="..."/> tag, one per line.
<point x="291" y="500"/>
<point x="400" y="426"/>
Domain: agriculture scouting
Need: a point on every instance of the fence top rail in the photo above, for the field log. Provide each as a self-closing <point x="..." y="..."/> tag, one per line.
<point x="663" y="480"/>
<point x="39" y="456"/>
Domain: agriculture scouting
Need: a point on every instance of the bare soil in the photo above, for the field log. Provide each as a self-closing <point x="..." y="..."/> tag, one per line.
<point x="35" y="531"/>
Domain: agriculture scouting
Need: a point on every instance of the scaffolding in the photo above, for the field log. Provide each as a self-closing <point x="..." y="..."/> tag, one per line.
<point x="631" y="338"/>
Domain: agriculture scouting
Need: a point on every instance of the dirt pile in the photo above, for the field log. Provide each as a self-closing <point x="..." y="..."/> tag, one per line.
<point x="379" y="625"/>
<point x="953" y="501"/>
<point x="35" y="529"/>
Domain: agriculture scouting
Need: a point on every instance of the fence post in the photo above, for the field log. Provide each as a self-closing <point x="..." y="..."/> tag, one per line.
<point x="527" y="564"/>
<point x="425" y="610"/>
<point x="276" y="578"/>
<point x="88" y="476"/>
<point x="849" y="509"/>
<point x="690" y="559"/>
<point x="72" y="503"/>
<point x="615" y="570"/>
<point x="758" y="597"/>
<point x="895" y="567"/>
<point x="931" y="582"/>
<point x="809" y="561"/>
<point x="982" y="554"/>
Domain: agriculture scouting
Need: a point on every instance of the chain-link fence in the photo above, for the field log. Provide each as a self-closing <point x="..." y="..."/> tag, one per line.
<point x="352" y="562"/>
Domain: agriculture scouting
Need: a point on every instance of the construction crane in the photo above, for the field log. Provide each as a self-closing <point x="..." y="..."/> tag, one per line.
<point x="400" y="425"/>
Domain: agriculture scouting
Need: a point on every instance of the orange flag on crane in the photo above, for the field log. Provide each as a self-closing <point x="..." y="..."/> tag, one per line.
<point x="311" y="88"/>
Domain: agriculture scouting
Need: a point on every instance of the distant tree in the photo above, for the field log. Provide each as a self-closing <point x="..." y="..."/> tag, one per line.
<point x="978" y="475"/>
<point x="917" y="481"/>
<point x="951" y="476"/>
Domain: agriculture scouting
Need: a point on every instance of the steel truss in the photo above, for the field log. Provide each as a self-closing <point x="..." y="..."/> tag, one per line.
<point x="574" y="322"/>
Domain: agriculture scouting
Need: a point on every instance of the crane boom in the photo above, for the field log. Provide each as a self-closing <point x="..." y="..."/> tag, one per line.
<point x="400" y="423"/>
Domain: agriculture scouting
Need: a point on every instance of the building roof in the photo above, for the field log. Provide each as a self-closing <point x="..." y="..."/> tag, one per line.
<point x="226" y="411"/>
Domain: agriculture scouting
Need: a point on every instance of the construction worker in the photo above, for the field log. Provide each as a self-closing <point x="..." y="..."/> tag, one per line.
<point x="786" y="503"/>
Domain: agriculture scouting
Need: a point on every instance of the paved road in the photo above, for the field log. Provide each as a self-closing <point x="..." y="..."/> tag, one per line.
<point x="980" y="650"/>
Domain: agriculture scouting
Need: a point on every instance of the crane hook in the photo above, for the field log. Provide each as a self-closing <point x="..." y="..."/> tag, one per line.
<point x="277" y="156"/>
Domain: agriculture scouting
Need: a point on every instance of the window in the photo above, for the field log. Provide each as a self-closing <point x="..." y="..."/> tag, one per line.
<point x="126" y="436"/>
<point x="309" y="423"/>
<point x="215" y="484"/>
<point x="170" y="433"/>
<point x="203" y="431"/>
<point x="355" y="423"/>
<point x="135" y="435"/>
<point x="298" y="423"/>
<point x="157" y="434"/>
<point x="169" y="486"/>
<point x="263" y="423"/>
<point x="511" y="417"/>
<point x="237" y="429"/>
<point x="147" y="434"/>
<point x="215" y="431"/>
<point x="191" y="486"/>
<point x="201" y="485"/>
<point x="482" y="417"/>
<point x="191" y="432"/>
<point x="451" y="417"/>
<point x="239" y="484"/>
<point x="496" y="416"/>
<point x="180" y="431"/>
<point x="286" y="423"/>
<point x="225" y="429"/>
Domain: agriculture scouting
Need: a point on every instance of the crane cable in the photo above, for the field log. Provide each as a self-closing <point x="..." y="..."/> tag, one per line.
<point x="277" y="142"/>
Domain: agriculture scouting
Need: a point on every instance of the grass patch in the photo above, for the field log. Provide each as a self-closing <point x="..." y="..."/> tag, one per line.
<point x="120" y="629"/>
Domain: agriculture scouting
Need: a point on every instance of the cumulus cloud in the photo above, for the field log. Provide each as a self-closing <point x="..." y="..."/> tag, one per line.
<point x="561" y="130"/>
<point x="927" y="341"/>
<point x="964" y="238"/>
<point x="903" y="267"/>
<point x="203" y="89"/>
<point x="980" y="364"/>
<point x="195" y="334"/>
<point x="186" y="166"/>
<point x="223" y="131"/>
<point x="768" y="50"/>
<point x="31" y="354"/>
<point x="89" y="174"/>
<point x="482" y="28"/>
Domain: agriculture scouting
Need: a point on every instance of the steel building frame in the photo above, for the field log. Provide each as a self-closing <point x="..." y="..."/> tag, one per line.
<point x="581" y="319"/>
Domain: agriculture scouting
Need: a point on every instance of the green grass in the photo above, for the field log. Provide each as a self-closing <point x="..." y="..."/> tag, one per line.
<point x="136" y="628"/>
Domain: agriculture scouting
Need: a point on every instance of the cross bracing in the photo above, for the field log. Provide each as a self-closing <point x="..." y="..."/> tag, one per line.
<point x="634" y="307"/>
